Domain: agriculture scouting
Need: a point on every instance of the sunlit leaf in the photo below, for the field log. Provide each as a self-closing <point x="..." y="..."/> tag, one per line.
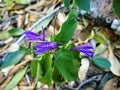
<point x="101" y="62"/>
<point x="16" y="31"/>
<point x="22" y="1"/>
<point x="100" y="49"/>
<point x="85" y="22"/>
<point x="16" y="79"/>
<point x="99" y="37"/>
<point x="4" y="35"/>
<point x="8" y="1"/>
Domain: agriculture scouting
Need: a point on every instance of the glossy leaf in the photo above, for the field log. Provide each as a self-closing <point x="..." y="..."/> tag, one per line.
<point x="64" y="62"/>
<point x="16" y="79"/>
<point x="101" y="62"/>
<point x="116" y="7"/>
<point x="83" y="4"/>
<point x="16" y="31"/>
<point x="67" y="29"/>
<point x="12" y="58"/>
<point x="67" y="3"/>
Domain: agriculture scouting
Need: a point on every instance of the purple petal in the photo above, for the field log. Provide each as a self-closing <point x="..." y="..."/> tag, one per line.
<point x="31" y="36"/>
<point x="45" y="46"/>
<point x="87" y="46"/>
<point x="87" y="49"/>
<point x="42" y="50"/>
<point x="43" y="34"/>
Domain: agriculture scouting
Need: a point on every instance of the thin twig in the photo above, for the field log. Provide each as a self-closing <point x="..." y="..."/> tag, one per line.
<point x="94" y="78"/>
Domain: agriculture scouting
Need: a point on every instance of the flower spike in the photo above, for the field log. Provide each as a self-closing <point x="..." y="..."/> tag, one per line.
<point x="45" y="46"/>
<point x="87" y="49"/>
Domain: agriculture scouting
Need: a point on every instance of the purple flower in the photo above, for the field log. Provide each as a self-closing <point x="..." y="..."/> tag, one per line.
<point x="87" y="49"/>
<point x="34" y="37"/>
<point x="45" y="46"/>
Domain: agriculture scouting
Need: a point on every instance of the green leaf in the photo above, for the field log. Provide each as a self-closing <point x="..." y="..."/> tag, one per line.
<point x="8" y="1"/>
<point x="100" y="49"/>
<point x="12" y="58"/>
<point x="67" y="3"/>
<point x="4" y="35"/>
<point x="16" y="31"/>
<point x="64" y="62"/>
<point x="74" y="52"/>
<point x="101" y="62"/>
<point x="46" y="66"/>
<point x="57" y="77"/>
<point x="99" y="37"/>
<point x="22" y="1"/>
<point x="67" y="29"/>
<point x="27" y="49"/>
<point x="83" y="4"/>
<point x="116" y="7"/>
<point x="16" y="79"/>
<point x="36" y="70"/>
<point x="85" y="22"/>
<point x="42" y="69"/>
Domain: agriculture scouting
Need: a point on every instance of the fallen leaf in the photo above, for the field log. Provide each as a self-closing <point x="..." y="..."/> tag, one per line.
<point x="83" y="69"/>
<point x="115" y="65"/>
<point x="111" y="84"/>
<point x="61" y="18"/>
<point x="1" y="74"/>
<point x="100" y="49"/>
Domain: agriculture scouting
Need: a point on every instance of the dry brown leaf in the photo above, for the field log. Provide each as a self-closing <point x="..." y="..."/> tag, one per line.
<point x="36" y="6"/>
<point x="20" y="21"/>
<point x="118" y="88"/>
<point x="34" y="16"/>
<point x="51" y="30"/>
<point x="16" y="88"/>
<point x="111" y="84"/>
<point x="61" y="18"/>
<point x="1" y="74"/>
<point x="19" y="12"/>
<point x="83" y="69"/>
<point x="26" y="87"/>
<point x="115" y="65"/>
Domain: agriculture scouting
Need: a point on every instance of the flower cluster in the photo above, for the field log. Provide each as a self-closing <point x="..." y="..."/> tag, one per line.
<point x="44" y="46"/>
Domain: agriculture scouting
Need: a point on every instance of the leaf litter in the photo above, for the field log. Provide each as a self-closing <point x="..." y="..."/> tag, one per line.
<point x="22" y="15"/>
